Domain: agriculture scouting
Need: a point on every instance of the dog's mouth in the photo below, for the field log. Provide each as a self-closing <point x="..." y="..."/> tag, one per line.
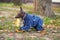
<point x="17" y="16"/>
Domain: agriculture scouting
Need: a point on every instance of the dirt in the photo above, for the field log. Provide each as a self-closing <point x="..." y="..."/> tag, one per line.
<point x="31" y="35"/>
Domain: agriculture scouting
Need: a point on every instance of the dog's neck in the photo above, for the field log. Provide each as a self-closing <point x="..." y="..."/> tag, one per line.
<point x="24" y="15"/>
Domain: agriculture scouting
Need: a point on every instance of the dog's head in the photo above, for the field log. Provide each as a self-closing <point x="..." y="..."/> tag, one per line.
<point x="20" y="14"/>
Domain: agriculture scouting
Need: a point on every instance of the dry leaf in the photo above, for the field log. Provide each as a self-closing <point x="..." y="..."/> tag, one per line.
<point x="17" y="22"/>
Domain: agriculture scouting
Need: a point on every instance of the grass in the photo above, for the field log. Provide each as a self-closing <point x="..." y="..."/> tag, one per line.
<point x="56" y="38"/>
<point x="10" y="38"/>
<point x="8" y="10"/>
<point x="55" y="21"/>
<point x="6" y="4"/>
<point x="11" y="5"/>
<point x="25" y="6"/>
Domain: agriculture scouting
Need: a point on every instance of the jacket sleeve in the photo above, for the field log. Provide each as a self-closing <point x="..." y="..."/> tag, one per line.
<point x="27" y="25"/>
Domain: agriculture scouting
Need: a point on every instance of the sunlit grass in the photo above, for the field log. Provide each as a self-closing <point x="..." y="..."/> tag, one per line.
<point x="27" y="6"/>
<point x="6" y="9"/>
<point x="6" y="4"/>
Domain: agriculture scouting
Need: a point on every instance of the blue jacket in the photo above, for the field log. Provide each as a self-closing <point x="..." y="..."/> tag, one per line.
<point x="31" y="21"/>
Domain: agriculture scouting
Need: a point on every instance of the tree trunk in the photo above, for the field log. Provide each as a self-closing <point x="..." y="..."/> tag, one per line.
<point x="26" y="1"/>
<point x="48" y="10"/>
<point x="43" y="7"/>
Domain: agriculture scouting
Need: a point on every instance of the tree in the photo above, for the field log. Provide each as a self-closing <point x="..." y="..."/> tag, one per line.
<point x="43" y="7"/>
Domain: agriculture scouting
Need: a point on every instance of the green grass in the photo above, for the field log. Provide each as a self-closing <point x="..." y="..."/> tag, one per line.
<point x="11" y="5"/>
<point x="28" y="7"/>
<point x="8" y="10"/>
<point x="10" y="38"/>
<point x="55" y="21"/>
<point x="56" y="38"/>
<point x="6" y="4"/>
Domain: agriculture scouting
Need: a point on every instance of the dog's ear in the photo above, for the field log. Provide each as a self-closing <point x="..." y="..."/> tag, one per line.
<point x="21" y="10"/>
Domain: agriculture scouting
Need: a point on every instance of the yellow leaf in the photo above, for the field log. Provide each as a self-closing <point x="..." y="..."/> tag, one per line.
<point x="17" y="22"/>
